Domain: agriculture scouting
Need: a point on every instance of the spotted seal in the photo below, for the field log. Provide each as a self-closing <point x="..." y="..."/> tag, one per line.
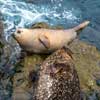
<point x="57" y="78"/>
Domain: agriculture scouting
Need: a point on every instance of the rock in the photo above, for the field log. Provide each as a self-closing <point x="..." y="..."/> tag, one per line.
<point x="5" y="82"/>
<point x="6" y="65"/>
<point x="8" y="51"/>
<point x="98" y="82"/>
<point x="1" y="32"/>
<point x="40" y="25"/>
<point x="86" y="59"/>
<point x="1" y="27"/>
<point x="45" y="25"/>
<point x="22" y="87"/>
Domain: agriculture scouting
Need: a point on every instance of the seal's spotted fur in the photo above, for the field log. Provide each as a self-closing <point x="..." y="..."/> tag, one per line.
<point x="58" y="79"/>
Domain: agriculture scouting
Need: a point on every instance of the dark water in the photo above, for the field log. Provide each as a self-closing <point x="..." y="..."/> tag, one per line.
<point x="68" y="13"/>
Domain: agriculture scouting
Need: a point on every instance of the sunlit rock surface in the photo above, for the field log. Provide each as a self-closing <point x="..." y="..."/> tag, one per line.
<point x="86" y="59"/>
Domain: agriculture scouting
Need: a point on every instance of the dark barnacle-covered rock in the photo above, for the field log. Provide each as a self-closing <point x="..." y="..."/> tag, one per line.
<point x="98" y="82"/>
<point x="1" y="41"/>
<point x="5" y="82"/>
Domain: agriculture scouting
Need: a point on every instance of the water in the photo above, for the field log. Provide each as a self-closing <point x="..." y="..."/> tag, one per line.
<point x="24" y="13"/>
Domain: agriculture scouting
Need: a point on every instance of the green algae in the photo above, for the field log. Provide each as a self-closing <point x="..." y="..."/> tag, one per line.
<point x="86" y="58"/>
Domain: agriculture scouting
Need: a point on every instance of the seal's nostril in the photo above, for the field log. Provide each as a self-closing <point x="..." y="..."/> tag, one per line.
<point x="18" y="31"/>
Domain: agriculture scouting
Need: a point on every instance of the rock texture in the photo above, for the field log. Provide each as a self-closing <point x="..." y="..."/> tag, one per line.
<point x="86" y="58"/>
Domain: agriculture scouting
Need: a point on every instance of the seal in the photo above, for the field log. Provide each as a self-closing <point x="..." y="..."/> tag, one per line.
<point x="58" y="79"/>
<point x="46" y="40"/>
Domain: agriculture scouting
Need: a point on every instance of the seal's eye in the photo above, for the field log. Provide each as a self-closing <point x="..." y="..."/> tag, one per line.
<point x="18" y="31"/>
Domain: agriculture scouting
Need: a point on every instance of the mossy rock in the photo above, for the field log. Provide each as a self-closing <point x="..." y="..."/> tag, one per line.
<point x="40" y="25"/>
<point x="86" y="59"/>
<point x="1" y="46"/>
<point x="45" y="25"/>
<point x="22" y="85"/>
<point x="1" y="32"/>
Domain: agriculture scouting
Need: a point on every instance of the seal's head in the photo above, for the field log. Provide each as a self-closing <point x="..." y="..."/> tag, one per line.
<point x="22" y="35"/>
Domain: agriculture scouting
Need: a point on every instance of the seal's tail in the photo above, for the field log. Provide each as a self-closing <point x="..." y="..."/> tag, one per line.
<point x="81" y="26"/>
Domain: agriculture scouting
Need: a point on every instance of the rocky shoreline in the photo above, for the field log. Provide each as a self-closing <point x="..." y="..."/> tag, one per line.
<point x="18" y="85"/>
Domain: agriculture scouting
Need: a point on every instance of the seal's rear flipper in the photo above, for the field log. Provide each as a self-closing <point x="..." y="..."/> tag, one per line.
<point x="81" y="26"/>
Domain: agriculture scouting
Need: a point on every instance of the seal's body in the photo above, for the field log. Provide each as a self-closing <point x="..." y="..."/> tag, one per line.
<point x="58" y="79"/>
<point x="46" y="40"/>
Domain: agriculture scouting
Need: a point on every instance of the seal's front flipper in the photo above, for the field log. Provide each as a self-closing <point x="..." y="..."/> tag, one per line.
<point x="45" y="41"/>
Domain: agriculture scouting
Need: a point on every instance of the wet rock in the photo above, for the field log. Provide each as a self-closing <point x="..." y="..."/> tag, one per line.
<point x="45" y="25"/>
<point x="1" y="32"/>
<point x="5" y="88"/>
<point x="40" y="25"/>
<point x="98" y="82"/>
<point x="1" y="27"/>
<point x="86" y="58"/>
<point x="22" y="86"/>
<point x="6" y="65"/>
<point x="1" y="46"/>
<point x="5" y="82"/>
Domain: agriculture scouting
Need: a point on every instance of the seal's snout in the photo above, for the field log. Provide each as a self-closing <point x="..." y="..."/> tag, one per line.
<point x="17" y="33"/>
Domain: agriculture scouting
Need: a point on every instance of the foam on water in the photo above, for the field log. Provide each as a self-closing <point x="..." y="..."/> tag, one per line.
<point x="22" y="14"/>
